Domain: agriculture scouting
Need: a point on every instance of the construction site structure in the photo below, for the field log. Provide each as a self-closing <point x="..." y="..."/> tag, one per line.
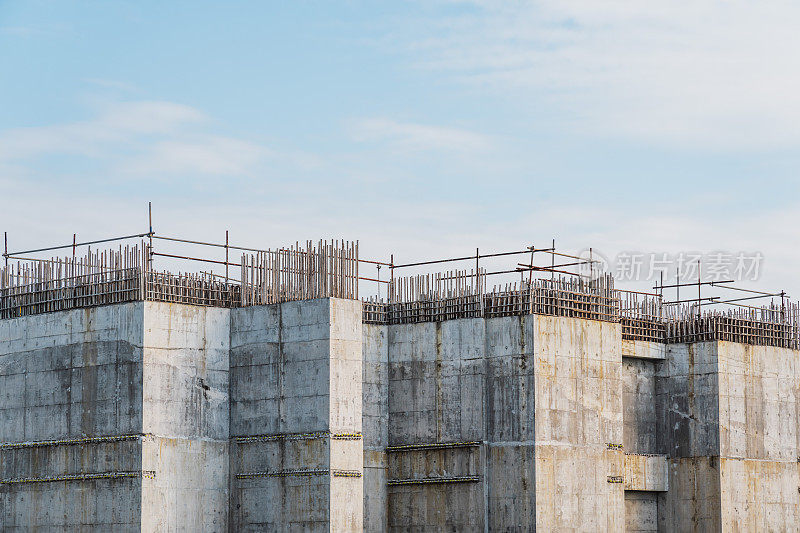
<point x="265" y="394"/>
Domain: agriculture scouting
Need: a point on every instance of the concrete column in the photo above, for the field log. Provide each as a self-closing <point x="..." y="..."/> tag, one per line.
<point x="185" y="417"/>
<point x="296" y="447"/>
<point x="579" y="427"/>
<point x="375" y="425"/>
<point x="730" y="419"/>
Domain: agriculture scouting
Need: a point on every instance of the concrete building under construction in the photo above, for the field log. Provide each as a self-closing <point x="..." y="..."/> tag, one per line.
<point x="273" y="397"/>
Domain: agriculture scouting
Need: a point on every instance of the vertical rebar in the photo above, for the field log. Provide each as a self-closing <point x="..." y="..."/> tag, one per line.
<point x="150" y="235"/>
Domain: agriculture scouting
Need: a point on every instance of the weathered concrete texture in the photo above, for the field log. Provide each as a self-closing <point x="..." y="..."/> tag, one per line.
<point x="436" y="394"/>
<point x="644" y="350"/>
<point x="69" y="375"/>
<point x="442" y="505"/>
<point x="96" y="505"/>
<point x="484" y="380"/>
<point x="639" y="405"/>
<point x="641" y="512"/>
<point x="510" y="429"/>
<point x="646" y="473"/>
<point x="687" y="395"/>
<point x="578" y="415"/>
<point x="190" y="489"/>
<point x="693" y="500"/>
<point x="758" y="417"/>
<point x="102" y="504"/>
<point x="185" y="408"/>
<point x="251" y="420"/>
<point x="730" y="427"/>
<point x="296" y="368"/>
<point x="121" y="370"/>
<point x="375" y="424"/>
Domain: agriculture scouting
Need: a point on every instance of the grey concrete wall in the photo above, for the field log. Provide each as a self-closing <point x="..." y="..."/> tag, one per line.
<point x="119" y="371"/>
<point x="436" y="395"/>
<point x="510" y="425"/>
<point x="758" y="416"/>
<point x="543" y="397"/>
<point x="375" y="425"/>
<point x="252" y="419"/>
<point x="639" y="405"/>
<point x="641" y="512"/>
<point x="578" y="415"/>
<point x="729" y="421"/>
<point x="687" y="391"/>
<point x="71" y="375"/>
<point x="295" y="379"/>
<point x="185" y="417"/>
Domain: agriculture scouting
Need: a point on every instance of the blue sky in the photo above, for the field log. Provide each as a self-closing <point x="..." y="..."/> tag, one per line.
<point x="420" y="128"/>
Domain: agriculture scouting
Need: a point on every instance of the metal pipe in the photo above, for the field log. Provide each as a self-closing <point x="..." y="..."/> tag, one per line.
<point x="692" y="300"/>
<point x="747" y="298"/>
<point x="694" y="284"/>
<point x="195" y="259"/>
<point x="747" y="290"/>
<point x="463" y="258"/>
<point x="78" y="244"/>
<point x="373" y="279"/>
<point x="244" y="248"/>
<point x="150" y="234"/>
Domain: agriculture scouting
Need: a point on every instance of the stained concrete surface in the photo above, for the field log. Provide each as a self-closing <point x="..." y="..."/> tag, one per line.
<point x="279" y="417"/>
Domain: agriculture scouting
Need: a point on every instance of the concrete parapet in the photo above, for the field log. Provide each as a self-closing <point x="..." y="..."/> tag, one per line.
<point x="644" y="349"/>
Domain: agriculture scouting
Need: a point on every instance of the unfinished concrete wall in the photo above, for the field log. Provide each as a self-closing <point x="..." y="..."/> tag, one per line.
<point x="162" y="417"/>
<point x="646" y="472"/>
<point x="185" y="417"/>
<point x="436" y="395"/>
<point x="540" y="396"/>
<point x="579" y="427"/>
<point x="140" y="391"/>
<point x="641" y="512"/>
<point x="510" y="425"/>
<point x="730" y="428"/>
<point x="758" y="437"/>
<point x="375" y="425"/>
<point x="296" y="450"/>
<point x="688" y="411"/>
<point x="69" y="377"/>
<point x="639" y="405"/>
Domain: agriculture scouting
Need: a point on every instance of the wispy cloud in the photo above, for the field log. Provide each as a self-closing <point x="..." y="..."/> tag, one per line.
<point x="118" y="124"/>
<point x="208" y="155"/>
<point x="710" y="73"/>
<point x="407" y="136"/>
<point x="136" y="138"/>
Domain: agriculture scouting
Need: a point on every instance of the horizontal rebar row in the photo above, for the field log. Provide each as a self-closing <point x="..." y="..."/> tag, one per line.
<point x="642" y="317"/>
<point x="331" y="269"/>
<point x="38" y="286"/>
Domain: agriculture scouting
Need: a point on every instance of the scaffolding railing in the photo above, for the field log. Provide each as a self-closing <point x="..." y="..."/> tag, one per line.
<point x="331" y="269"/>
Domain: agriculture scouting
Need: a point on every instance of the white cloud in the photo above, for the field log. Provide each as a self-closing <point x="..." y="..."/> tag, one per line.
<point x="407" y="136"/>
<point x="135" y="138"/>
<point x="118" y="124"/>
<point x="723" y="74"/>
<point x="207" y="155"/>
